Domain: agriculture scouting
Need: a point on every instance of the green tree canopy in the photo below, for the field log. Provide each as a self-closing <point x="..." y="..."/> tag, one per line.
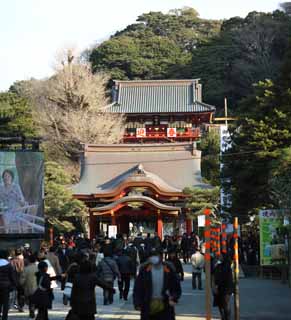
<point x="62" y="211"/>
<point x="16" y="116"/>
<point x="158" y="46"/>
<point x="200" y="199"/>
<point x="210" y="162"/>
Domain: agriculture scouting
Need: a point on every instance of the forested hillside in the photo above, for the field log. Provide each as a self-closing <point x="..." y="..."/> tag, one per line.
<point x="229" y="56"/>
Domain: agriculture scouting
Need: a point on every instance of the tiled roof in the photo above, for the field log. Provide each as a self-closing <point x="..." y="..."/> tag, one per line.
<point x="171" y="167"/>
<point x="158" y="96"/>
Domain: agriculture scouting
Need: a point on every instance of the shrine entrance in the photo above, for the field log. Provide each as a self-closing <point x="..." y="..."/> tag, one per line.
<point x="133" y="215"/>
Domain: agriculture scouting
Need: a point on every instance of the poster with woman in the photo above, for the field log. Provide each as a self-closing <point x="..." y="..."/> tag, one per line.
<point x="21" y="192"/>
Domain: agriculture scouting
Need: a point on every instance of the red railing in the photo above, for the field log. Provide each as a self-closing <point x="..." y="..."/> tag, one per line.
<point x="161" y="134"/>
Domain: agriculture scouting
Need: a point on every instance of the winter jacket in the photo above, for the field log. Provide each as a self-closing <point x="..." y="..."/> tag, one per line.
<point x="7" y="276"/>
<point x="54" y="261"/>
<point x="142" y="293"/>
<point x="197" y="260"/>
<point x="108" y="269"/>
<point x="125" y="265"/>
<point x="28" y="279"/>
<point x="178" y="267"/>
<point x="83" y="299"/>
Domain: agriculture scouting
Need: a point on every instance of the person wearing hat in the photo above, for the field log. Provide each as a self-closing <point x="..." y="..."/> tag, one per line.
<point x="157" y="288"/>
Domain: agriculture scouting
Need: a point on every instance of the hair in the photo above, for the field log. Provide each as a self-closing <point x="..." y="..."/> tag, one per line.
<point x="3" y="254"/>
<point x="32" y="258"/>
<point x="85" y="267"/>
<point x="42" y="266"/>
<point x="9" y="172"/>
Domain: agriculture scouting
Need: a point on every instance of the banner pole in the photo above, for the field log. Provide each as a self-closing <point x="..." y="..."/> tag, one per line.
<point x="236" y="271"/>
<point x="207" y="264"/>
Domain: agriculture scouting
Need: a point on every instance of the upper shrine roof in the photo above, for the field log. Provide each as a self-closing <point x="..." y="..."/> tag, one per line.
<point x="158" y="96"/>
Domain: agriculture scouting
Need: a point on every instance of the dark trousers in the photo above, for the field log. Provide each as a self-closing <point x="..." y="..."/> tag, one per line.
<point x="108" y="294"/>
<point x="224" y="307"/>
<point x="124" y="285"/>
<point x="4" y="303"/>
<point x="42" y="314"/>
<point x="31" y="306"/>
<point x="198" y="276"/>
<point x="20" y="297"/>
<point x="186" y="256"/>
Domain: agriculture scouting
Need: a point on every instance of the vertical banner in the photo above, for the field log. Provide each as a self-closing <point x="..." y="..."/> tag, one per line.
<point x="272" y="241"/>
<point x="21" y="193"/>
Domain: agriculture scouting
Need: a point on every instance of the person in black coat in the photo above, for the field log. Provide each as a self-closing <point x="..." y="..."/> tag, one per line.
<point x="157" y="289"/>
<point x="7" y="283"/>
<point x="83" y="300"/>
<point x="43" y="297"/>
<point x="126" y="269"/>
<point x="177" y="264"/>
<point x="223" y="286"/>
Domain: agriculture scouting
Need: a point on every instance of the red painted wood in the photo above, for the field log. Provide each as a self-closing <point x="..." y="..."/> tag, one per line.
<point x="189" y="226"/>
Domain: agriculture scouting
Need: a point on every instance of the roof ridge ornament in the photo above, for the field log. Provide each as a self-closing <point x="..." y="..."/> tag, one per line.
<point x="140" y="170"/>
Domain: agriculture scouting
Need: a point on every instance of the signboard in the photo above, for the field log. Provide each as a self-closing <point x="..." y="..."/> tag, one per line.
<point x="21" y="193"/>
<point x="171" y="132"/>
<point x="201" y="221"/>
<point x="272" y="242"/>
<point x="141" y="132"/>
<point x="112" y="231"/>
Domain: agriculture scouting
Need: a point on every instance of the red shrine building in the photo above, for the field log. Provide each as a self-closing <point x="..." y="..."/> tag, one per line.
<point x="138" y="185"/>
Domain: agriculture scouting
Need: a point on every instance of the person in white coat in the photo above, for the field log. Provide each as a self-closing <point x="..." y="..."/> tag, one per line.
<point x="197" y="261"/>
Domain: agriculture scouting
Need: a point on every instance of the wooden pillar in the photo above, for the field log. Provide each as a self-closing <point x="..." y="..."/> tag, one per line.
<point x="189" y="226"/>
<point x="92" y="226"/>
<point x="113" y="218"/>
<point x="159" y="225"/>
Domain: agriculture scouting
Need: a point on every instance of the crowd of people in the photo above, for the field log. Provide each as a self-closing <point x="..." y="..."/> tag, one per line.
<point x="78" y="265"/>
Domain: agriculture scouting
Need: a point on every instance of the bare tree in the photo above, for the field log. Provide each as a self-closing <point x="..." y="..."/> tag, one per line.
<point x="69" y="107"/>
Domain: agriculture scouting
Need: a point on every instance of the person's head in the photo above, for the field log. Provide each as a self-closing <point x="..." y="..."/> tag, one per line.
<point x="156" y="256"/>
<point x="32" y="259"/>
<point x="42" y="266"/>
<point x="18" y="252"/>
<point x="4" y="254"/>
<point x="63" y="245"/>
<point x="7" y="177"/>
<point x="85" y="267"/>
<point x="172" y="255"/>
<point x="26" y="246"/>
<point x="52" y="249"/>
<point x="41" y="256"/>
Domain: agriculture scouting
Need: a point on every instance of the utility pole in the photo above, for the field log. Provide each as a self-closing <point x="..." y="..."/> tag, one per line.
<point x="225" y="111"/>
<point x="207" y="263"/>
<point x="236" y="270"/>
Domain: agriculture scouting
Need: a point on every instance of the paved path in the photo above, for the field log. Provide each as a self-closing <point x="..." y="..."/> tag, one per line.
<point x="260" y="300"/>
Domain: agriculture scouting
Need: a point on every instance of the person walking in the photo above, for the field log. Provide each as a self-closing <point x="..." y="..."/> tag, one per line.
<point x="223" y="286"/>
<point x="29" y="283"/>
<point x="176" y="263"/>
<point x="126" y="269"/>
<point x="18" y="264"/>
<point x="108" y="271"/>
<point x="197" y="261"/>
<point x="83" y="300"/>
<point x="54" y="260"/>
<point x="7" y="283"/>
<point x="43" y="296"/>
<point x="157" y="289"/>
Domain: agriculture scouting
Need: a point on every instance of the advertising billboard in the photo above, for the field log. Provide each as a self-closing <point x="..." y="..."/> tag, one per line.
<point x="21" y="192"/>
<point x="272" y="242"/>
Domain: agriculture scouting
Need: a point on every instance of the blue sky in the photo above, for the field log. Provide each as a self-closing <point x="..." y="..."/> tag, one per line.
<point x="32" y="31"/>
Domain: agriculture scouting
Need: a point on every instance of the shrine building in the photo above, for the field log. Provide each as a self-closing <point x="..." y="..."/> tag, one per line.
<point x="138" y="185"/>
